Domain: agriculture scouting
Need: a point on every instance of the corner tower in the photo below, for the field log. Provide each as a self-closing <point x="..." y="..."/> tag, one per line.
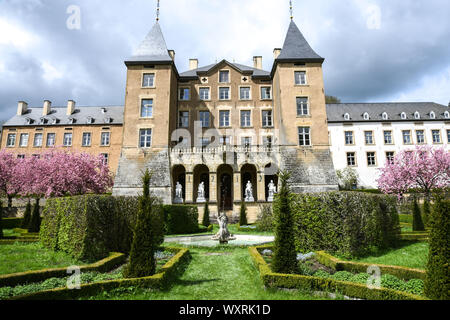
<point x="149" y="100"/>
<point x="300" y="113"/>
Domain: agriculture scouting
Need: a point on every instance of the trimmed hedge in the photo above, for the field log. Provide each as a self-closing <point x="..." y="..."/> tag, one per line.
<point x="11" y="223"/>
<point x="104" y="265"/>
<point x="348" y="223"/>
<point x="181" y="219"/>
<point x="355" y="290"/>
<point x="163" y="280"/>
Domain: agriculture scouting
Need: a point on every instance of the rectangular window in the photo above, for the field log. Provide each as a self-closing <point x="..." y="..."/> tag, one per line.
<point x="351" y="159"/>
<point x="224" y="93"/>
<point x="38" y="140"/>
<point x="148" y="80"/>
<point x="436" y="136"/>
<point x="371" y="159"/>
<point x="106" y="138"/>
<point x="420" y="134"/>
<point x="349" y="137"/>
<point x="368" y="136"/>
<point x="224" y="118"/>
<point x="267" y="141"/>
<point x="51" y="137"/>
<point x="266" y="93"/>
<point x="147" y="108"/>
<point x="304" y="136"/>
<point x="87" y="139"/>
<point x="406" y="136"/>
<point x="225" y="140"/>
<point x="184" y="94"/>
<point x="224" y="76"/>
<point x="448" y="136"/>
<point x="246" y="142"/>
<point x="390" y="156"/>
<point x="23" y="140"/>
<point x="204" y="118"/>
<point x="267" y="120"/>
<point x="246" y="118"/>
<point x="183" y="120"/>
<point x="244" y="93"/>
<point x="11" y="142"/>
<point x="302" y="106"/>
<point x="204" y="94"/>
<point x="300" y="77"/>
<point x="387" y="137"/>
<point x="21" y="156"/>
<point x="145" y="138"/>
<point x="67" y="139"/>
<point x="105" y="158"/>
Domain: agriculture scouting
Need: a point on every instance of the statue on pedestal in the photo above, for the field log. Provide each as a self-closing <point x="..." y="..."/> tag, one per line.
<point x="223" y="235"/>
<point x="249" y="193"/>
<point x="178" y="193"/>
<point x="201" y="193"/>
<point x="272" y="191"/>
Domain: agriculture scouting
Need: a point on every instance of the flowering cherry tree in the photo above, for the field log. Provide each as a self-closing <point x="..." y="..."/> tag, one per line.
<point x="7" y="166"/>
<point x="424" y="169"/>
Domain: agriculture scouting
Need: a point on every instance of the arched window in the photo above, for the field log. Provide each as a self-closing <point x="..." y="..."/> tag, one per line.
<point x="403" y="116"/>
<point x="385" y="116"/>
<point x="417" y="115"/>
<point x="366" y="116"/>
<point x="432" y="115"/>
<point x="346" y="117"/>
<point x="447" y="115"/>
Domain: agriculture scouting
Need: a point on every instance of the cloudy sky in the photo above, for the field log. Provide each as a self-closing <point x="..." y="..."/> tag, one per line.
<point x="375" y="50"/>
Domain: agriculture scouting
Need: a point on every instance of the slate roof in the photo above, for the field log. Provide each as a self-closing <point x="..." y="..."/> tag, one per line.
<point x="296" y="47"/>
<point x="240" y="67"/>
<point x="33" y="117"/>
<point x="152" y="49"/>
<point x="336" y="112"/>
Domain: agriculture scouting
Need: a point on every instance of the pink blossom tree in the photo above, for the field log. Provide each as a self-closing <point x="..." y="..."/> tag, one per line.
<point x="8" y="163"/>
<point x="424" y="169"/>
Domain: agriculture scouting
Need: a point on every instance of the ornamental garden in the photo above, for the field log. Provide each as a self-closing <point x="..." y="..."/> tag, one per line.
<point x="64" y="236"/>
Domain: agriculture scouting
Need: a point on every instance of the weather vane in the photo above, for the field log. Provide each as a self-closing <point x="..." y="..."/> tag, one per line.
<point x="291" y="10"/>
<point x="157" y="12"/>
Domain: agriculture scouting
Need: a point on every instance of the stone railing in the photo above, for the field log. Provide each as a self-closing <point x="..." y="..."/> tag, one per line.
<point x="224" y="148"/>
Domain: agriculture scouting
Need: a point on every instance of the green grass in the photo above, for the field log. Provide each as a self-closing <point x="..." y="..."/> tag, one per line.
<point x="233" y="228"/>
<point x="25" y="257"/>
<point x="221" y="273"/>
<point x="409" y="254"/>
<point x="10" y="233"/>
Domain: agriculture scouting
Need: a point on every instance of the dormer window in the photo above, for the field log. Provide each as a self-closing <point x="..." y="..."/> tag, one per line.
<point x="103" y="110"/>
<point x="346" y="117"/>
<point x="42" y="121"/>
<point x="71" y="121"/>
<point x="403" y="116"/>
<point x="28" y="120"/>
<point x="385" y="116"/>
<point x="447" y="115"/>
<point x="90" y="120"/>
<point x="432" y="115"/>
<point x="365" y="116"/>
<point x="54" y="121"/>
<point x="108" y="120"/>
<point x="417" y="115"/>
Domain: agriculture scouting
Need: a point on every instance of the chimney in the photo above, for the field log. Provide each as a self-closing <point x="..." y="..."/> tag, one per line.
<point x="47" y="108"/>
<point x="257" y="62"/>
<point x="193" y="64"/>
<point x="70" y="107"/>
<point x="276" y="53"/>
<point x="22" y="107"/>
<point x="172" y="54"/>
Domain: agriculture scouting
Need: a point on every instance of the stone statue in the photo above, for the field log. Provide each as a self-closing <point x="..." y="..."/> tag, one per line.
<point x="249" y="193"/>
<point x="178" y="193"/>
<point x="272" y="191"/>
<point x="201" y="193"/>
<point x="223" y="235"/>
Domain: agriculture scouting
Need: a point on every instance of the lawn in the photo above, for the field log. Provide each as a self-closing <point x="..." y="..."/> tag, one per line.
<point x="221" y="273"/>
<point x="25" y="257"/>
<point x="409" y="254"/>
<point x="233" y="228"/>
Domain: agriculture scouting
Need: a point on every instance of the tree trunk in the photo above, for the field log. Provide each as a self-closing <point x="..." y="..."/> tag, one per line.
<point x="10" y="198"/>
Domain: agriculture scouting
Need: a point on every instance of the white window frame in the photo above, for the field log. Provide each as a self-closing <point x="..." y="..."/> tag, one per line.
<point x="47" y="140"/>
<point x="203" y="120"/>
<point x="354" y="159"/>
<point x="144" y="85"/>
<point x="390" y="136"/>
<point x="11" y="140"/>
<point x="37" y="134"/>
<point x="181" y="92"/>
<point x="145" y="108"/>
<point x="247" y="120"/>
<point x="352" y="136"/>
<point x="267" y="121"/>
<point x="302" y="83"/>
<point x="229" y="76"/>
<point x="87" y="143"/>
<point x="65" y="140"/>
<point x="23" y="143"/>
<point x="200" y="95"/>
<point x="305" y="135"/>
<point x="302" y="106"/>
<point x="374" y="158"/>
<point x="147" y="141"/>
<point x="423" y="136"/>
<point x="182" y="124"/>
<point x="227" y="123"/>
<point x="228" y="95"/>
<point x="261" y="92"/>
<point x="249" y="93"/>
<point x="410" y="137"/>
<point x="105" y="139"/>
<point x="439" y="136"/>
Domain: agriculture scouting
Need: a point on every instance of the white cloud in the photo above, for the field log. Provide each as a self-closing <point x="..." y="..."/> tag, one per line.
<point x="14" y="35"/>
<point x="51" y="73"/>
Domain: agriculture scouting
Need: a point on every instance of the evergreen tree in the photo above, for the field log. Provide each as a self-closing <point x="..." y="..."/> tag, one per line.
<point x="205" y="220"/>
<point x="26" y="216"/>
<point x="284" y="257"/>
<point x="437" y="283"/>
<point x="417" y="217"/>
<point x="148" y="234"/>
<point x="243" y="215"/>
<point x="426" y="212"/>
<point x="35" y="222"/>
<point x="1" y="220"/>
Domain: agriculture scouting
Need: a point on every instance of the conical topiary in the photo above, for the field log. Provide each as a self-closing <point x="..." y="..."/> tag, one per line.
<point x="205" y="220"/>
<point x="26" y="216"/>
<point x="284" y="256"/>
<point x="243" y="215"/>
<point x="417" y="217"/>
<point x="426" y="212"/>
<point x="35" y="222"/>
<point x="148" y="234"/>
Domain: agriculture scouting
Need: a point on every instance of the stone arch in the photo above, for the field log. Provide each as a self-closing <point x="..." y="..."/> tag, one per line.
<point x="225" y="187"/>
<point x="249" y="172"/>
<point x="270" y="174"/>
<point x="201" y="174"/>
<point x="179" y="175"/>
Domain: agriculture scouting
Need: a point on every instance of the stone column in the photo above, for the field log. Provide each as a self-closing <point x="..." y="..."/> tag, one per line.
<point x="261" y="182"/>
<point x="189" y="187"/>
<point x="237" y="187"/>
<point x="213" y="187"/>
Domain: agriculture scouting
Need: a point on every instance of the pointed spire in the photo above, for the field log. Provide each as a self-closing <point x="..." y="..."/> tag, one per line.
<point x="291" y="10"/>
<point x="157" y="12"/>
<point x="296" y="47"/>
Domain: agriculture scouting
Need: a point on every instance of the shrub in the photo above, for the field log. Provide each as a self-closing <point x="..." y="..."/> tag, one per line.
<point x="392" y="282"/>
<point x="415" y="286"/>
<point x="265" y="218"/>
<point x="285" y="256"/>
<point x="360" y="278"/>
<point x="205" y="221"/>
<point x="417" y="218"/>
<point x="437" y="283"/>
<point x="304" y="269"/>
<point x="342" y="276"/>
<point x="426" y="212"/>
<point x="321" y="274"/>
<point x="180" y="219"/>
<point x="27" y="216"/>
<point x="35" y="222"/>
<point x="346" y="223"/>
<point x="1" y="220"/>
<point x="243" y="215"/>
<point x="148" y="234"/>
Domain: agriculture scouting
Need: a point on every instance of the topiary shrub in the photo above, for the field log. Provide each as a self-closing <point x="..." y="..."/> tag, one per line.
<point x="417" y="217"/>
<point x="205" y="220"/>
<point x="285" y="256"/>
<point x="148" y="234"/>
<point x="35" y="222"/>
<point x="437" y="282"/>
<point x="265" y="218"/>
<point x="180" y="219"/>
<point x="243" y="215"/>
<point x="426" y="213"/>
<point x="27" y="216"/>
